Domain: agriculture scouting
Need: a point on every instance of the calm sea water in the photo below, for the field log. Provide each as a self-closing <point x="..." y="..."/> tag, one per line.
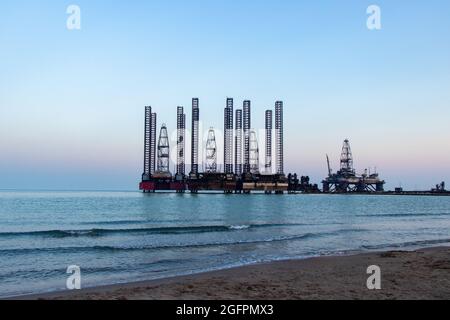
<point x="128" y="236"/>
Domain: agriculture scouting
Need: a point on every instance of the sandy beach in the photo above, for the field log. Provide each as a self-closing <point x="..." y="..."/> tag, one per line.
<point x="421" y="274"/>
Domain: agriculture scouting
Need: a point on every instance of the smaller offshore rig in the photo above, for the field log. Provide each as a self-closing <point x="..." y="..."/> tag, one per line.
<point x="241" y="171"/>
<point x="346" y="180"/>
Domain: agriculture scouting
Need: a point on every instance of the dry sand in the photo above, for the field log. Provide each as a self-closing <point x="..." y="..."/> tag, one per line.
<point x="422" y="274"/>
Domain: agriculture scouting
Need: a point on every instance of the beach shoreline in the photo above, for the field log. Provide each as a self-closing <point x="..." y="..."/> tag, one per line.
<point x="420" y="274"/>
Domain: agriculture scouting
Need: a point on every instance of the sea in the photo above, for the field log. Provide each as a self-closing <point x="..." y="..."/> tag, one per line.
<point x="120" y="237"/>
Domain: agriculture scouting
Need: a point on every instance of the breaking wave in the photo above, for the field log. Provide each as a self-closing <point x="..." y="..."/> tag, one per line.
<point x="84" y="249"/>
<point x="159" y="230"/>
<point x="424" y="243"/>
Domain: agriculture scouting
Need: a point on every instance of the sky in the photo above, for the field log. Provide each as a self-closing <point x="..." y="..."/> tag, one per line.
<point x="72" y="101"/>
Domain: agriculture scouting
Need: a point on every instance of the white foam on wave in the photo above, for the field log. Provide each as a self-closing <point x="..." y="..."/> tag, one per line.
<point x="241" y="227"/>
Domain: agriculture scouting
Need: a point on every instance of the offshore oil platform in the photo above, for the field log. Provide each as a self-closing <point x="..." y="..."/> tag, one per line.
<point x="241" y="171"/>
<point x="346" y="180"/>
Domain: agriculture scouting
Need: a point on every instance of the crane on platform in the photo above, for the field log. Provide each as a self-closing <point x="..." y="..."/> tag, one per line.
<point x="329" y="167"/>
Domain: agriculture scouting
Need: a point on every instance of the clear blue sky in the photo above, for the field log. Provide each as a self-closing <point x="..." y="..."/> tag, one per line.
<point x="71" y="102"/>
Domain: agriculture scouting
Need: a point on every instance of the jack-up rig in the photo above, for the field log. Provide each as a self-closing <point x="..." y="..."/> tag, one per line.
<point x="241" y="170"/>
<point x="346" y="180"/>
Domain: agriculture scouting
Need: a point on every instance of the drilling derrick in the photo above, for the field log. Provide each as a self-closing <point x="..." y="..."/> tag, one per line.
<point x="211" y="153"/>
<point x="238" y="143"/>
<point x="254" y="153"/>
<point x="195" y="136"/>
<point x="163" y="153"/>
<point x="181" y="132"/>
<point x="147" y="144"/>
<point x="228" y="137"/>
<point x="279" y="138"/>
<point x="347" y="160"/>
<point x="269" y="124"/>
<point x="247" y="126"/>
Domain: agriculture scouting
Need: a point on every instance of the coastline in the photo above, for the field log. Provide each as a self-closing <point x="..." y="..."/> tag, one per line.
<point x="420" y="274"/>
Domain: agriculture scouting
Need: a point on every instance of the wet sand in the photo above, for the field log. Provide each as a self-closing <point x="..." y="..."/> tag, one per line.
<point x="421" y="274"/>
